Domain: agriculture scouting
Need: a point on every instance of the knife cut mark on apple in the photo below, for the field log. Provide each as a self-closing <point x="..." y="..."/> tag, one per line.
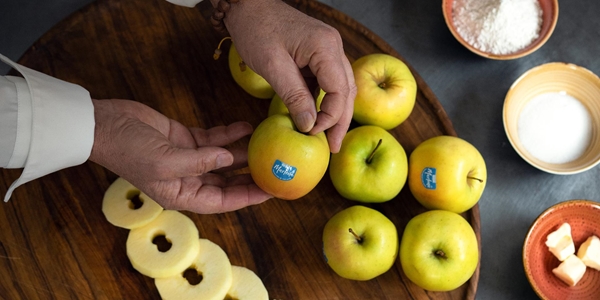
<point x="373" y="152"/>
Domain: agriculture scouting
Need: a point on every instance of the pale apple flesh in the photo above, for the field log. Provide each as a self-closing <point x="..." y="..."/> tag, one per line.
<point x="446" y="172"/>
<point x="284" y="162"/>
<point x="371" y="165"/>
<point x="179" y="230"/>
<point x="120" y="208"/>
<point x="213" y="267"/>
<point x="439" y="250"/>
<point x="386" y="90"/>
<point x="360" y="243"/>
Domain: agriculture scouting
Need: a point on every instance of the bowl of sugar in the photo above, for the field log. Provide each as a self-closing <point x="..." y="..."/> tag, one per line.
<point x="551" y="117"/>
<point x="501" y="29"/>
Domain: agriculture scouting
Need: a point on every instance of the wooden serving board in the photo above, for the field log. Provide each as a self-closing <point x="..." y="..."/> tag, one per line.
<point x="54" y="240"/>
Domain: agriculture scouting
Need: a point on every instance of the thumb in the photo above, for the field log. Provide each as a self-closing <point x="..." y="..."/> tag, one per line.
<point x="194" y="162"/>
<point x="287" y="81"/>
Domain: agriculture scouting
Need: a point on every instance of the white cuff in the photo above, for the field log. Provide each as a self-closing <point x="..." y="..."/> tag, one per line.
<point x="187" y="3"/>
<point x="62" y="125"/>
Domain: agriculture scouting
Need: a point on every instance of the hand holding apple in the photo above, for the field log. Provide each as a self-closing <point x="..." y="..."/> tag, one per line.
<point x="285" y="162"/>
<point x="246" y="78"/>
<point x="439" y="250"/>
<point x="386" y="90"/>
<point x="360" y="243"/>
<point x="278" y="107"/>
<point x="446" y="172"/>
<point x="371" y="166"/>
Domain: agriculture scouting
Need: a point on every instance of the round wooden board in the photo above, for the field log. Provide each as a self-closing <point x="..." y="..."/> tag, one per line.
<point x="55" y="242"/>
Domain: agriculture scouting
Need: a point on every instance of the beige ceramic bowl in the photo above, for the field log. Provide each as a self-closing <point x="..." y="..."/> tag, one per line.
<point x="549" y="16"/>
<point x="573" y="80"/>
<point x="538" y="261"/>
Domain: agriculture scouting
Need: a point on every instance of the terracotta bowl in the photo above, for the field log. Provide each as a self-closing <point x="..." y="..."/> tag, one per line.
<point x="573" y="80"/>
<point x="584" y="218"/>
<point x="549" y="19"/>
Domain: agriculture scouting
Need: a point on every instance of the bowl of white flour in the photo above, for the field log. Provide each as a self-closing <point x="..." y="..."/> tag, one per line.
<point x="551" y="116"/>
<point x="501" y="29"/>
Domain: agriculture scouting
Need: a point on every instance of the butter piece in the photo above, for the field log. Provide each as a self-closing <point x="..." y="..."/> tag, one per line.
<point x="560" y="242"/>
<point x="571" y="270"/>
<point x="589" y="252"/>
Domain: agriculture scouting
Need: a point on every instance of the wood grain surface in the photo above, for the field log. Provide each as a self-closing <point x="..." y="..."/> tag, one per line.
<point x="55" y="243"/>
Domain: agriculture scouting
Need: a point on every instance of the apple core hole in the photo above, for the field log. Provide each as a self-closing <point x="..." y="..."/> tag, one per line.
<point x="162" y="243"/>
<point x="229" y="297"/>
<point x="135" y="202"/>
<point x="193" y="276"/>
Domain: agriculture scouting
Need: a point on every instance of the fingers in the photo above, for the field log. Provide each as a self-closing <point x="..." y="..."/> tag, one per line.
<point x="332" y="105"/>
<point x="287" y="81"/>
<point x="221" y="135"/>
<point x="213" y="199"/>
<point x="178" y="162"/>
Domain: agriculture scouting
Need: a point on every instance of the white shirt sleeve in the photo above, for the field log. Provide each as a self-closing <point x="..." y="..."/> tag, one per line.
<point x="49" y="124"/>
<point x="188" y="3"/>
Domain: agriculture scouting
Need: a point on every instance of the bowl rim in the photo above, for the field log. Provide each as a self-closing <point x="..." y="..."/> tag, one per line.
<point x="521" y="53"/>
<point x="533" y="226"/>
<point x="508" y="100"/>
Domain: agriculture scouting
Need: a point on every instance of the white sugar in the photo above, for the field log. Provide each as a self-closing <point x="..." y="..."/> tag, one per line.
<point x="498" y="26"/>
<point x="555" y="128"/>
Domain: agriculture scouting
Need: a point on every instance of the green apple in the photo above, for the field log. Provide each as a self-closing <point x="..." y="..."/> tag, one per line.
<point x="446" y="172"/>
<point x="439" y="250"/>
<point x="360" y="243"/>
<point x="246" y="78"/>
<point x="386" y="90"/>
<point x="284" y="162"/>
<point x="371" y="165"/>
<point x="278" y="107"/>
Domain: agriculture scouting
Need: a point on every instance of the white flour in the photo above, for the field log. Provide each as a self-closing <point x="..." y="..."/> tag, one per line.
<point x="498" y="26"/>
<point x="555" y="128"/>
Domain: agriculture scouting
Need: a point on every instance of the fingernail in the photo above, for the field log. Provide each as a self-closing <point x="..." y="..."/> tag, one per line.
<point x="223" y="160"/>
<point x="304" y="121"/>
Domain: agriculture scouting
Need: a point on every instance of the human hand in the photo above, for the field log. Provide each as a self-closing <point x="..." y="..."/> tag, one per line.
<point x="176" y="166"/>
<point x="289" y="49"/>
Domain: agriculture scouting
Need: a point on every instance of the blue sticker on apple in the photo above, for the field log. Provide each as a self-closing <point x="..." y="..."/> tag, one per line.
<point x="283" y="171"/>
<point x="428" y="178"/>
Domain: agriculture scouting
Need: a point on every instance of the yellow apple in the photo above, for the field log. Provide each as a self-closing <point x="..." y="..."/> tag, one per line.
<point x="386" y="90"/>
<point x="360" y="243"/>
<point x="371" y="165"/>
<point x="246" y="78"/>
<point x="284" y="162"/>
<point x="446" y="172"/>
<point x="439" y="250"/>
<point x="278" y="107"/>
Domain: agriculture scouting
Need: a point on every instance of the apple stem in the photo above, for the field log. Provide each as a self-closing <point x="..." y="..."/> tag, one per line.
<point x="382" y="85"/>
<point x="439" y="253"/>
<point x="474" y="178"/>
<point x="373" y="152"/>
<point x="358" y="238"/>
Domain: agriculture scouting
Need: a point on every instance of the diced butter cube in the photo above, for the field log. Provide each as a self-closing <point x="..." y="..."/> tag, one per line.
<point x="571" y="270"/>
<point x="560" y="242"/>
<point x="589" y="252"/>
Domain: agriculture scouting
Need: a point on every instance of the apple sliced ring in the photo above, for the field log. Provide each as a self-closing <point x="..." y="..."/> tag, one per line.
<point x="179" y="236"/>
<point x="246" y="285"/>
<point x="211" y="276"/>
<point x="127" y="207"/>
